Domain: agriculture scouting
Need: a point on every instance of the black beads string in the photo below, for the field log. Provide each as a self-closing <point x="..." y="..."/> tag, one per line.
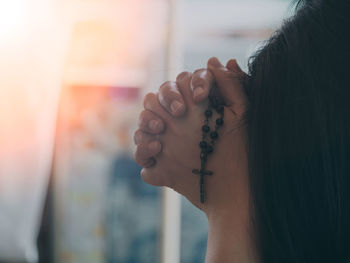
<point x="208" y="139"/>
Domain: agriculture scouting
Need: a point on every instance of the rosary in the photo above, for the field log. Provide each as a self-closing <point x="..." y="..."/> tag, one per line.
<point x="207" y="144"/>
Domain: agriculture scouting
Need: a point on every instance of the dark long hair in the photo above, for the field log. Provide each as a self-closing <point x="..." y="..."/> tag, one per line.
<point x="298" y="123"/>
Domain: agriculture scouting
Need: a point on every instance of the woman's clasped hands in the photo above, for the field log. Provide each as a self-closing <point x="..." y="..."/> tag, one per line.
<point x="170" y="129"/>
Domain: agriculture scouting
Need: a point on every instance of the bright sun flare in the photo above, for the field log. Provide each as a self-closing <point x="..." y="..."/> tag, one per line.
<point x="12" y="16"/>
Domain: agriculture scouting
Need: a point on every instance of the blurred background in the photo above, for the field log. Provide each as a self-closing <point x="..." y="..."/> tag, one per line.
<point x="72" y="77"/>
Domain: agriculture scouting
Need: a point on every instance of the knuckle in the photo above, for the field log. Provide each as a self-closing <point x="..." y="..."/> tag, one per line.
<point x="141" y="151"/>
<point x="166" y="85"/>
<point x="150" y="123"/>
<point x="199" y="71"/>
<point x="167" y="90"/>
<point x="148" y="98"/>
<point x="141" y="160"/>
<point x="199" y="81"/>
<point x="138" y="137"/>
<point x="137" y="158"/>
<point x="142" y="118"/>
<point x="168" y="93"/>
<point x="183" y="75"/>
<point x="162" y="98"/>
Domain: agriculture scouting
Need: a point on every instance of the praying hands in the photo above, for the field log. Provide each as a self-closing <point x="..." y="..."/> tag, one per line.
<point x="170" y="130"/>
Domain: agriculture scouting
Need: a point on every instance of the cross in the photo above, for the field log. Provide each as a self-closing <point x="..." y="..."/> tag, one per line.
<point x="202" y="172"/>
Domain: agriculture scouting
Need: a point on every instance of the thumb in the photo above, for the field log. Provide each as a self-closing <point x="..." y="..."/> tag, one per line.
<point x="229" y="83"/>
<point x="233" y="66"/>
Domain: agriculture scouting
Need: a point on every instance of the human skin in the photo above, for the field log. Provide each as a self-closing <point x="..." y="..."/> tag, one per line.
<point x="177" y="153"/>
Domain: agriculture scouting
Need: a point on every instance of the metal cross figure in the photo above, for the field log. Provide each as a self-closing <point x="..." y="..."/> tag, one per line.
<point x="201" y="173"/>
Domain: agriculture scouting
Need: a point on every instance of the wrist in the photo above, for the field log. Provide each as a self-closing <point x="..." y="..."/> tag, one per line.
<point x="227" y="187"/>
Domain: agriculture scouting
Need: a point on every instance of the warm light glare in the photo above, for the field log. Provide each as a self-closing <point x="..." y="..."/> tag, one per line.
<point x="12" y="16"/>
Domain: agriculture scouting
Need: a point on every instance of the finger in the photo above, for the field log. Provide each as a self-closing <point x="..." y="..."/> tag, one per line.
<point x="141" y="137"/>
<point x="152" y="104"/>
<point x="152" y="176"/>
<point x="150" y="122"/>
<point x="145" y="152"/>
<point x="233" y="66"/>
<point x="183" y="82"/>
<point x="229" y="84"/>
<point x="171" y="99"/>
<point x="201" y="82"/>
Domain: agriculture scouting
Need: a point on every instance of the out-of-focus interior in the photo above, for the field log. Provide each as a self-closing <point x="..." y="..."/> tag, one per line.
<point x="72" y="77"/>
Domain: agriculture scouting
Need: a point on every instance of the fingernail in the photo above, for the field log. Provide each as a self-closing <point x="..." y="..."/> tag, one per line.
<point x="197" y="92"/>
<point x="214" y="62"/>
<point x="154" y="125"/>
<point x="153" y="145"/>
<point x="137" y="138"/>
<point x="176" y="106"/>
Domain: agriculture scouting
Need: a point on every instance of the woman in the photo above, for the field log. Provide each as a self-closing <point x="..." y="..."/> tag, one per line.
<point x="281" y="186"/>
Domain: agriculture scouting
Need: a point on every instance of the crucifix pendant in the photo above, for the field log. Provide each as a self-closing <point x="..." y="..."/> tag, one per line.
<point x="201" y="173"/>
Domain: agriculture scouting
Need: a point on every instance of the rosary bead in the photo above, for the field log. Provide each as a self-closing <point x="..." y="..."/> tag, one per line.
<point x="214" y="101"/>
<point x="220" y="109"/>
<point x="203" y="156"/>
<point x="203" y="144"/>
<point x="210" y="149"/>
<point x="205" y="128"/>
<point x="220" y="121"/>
<point x="214" y="135"/>
<point x="208" y="113"/>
